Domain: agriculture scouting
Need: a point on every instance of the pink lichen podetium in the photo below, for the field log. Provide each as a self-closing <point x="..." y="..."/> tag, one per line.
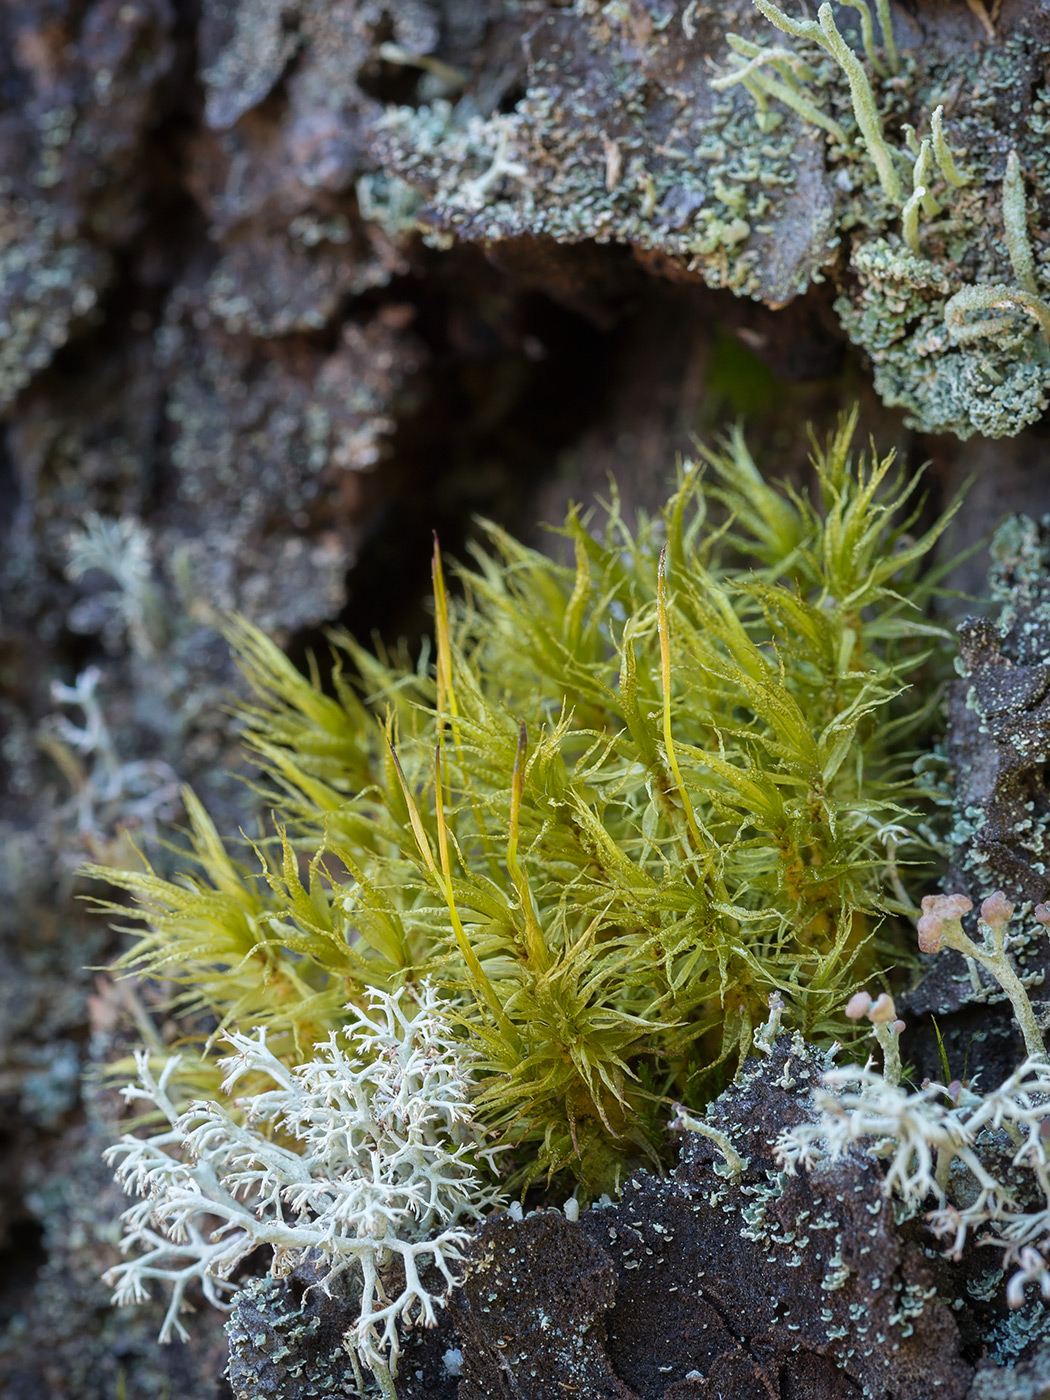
<point x="941" y="923"/>
<point x="937" y="910"/>
<point x="887" y="1029"/>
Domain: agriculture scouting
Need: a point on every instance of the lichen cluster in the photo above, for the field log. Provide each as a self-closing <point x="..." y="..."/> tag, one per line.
<point x="618" y="141"/>
<point x="981" y="1156"/>
<point x="910" y="171"/>
<point x="948" y="297"/>
<point x="385" y="1163"/>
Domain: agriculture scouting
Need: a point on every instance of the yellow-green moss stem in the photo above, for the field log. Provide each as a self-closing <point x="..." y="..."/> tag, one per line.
<point x="665" y="684"/>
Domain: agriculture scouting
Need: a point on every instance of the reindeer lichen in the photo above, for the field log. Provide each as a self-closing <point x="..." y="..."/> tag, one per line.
<point x="982" y="1158"/>
<point x="383" y="1161"/>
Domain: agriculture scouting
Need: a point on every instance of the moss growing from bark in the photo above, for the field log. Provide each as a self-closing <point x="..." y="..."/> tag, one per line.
<point x="619" y="806"/>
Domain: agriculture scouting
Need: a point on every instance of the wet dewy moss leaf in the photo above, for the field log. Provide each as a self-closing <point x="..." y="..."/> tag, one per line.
<point x="617" y="806"/>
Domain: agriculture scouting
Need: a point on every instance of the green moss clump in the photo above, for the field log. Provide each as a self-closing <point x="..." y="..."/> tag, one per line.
<point x="627" y="801"/>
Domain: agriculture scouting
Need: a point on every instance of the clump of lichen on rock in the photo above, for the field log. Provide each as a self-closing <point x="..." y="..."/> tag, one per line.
<point x="955" y="320"/>
<point x="619" y="139"/>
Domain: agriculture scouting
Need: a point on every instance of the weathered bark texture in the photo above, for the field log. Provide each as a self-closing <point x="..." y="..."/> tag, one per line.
<point x="284" y="286"/>
<point x="700" y="1285"/>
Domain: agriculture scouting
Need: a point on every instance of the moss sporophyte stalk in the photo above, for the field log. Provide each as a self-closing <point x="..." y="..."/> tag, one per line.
<point x="616" y="808"/>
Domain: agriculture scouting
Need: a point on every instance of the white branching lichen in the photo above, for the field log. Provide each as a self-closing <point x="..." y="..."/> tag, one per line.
<point x="983" y="1160"/>
<point x="108" y="792"/>
<point x="951" y="1145"/>
<point x="122" y="549"/>
<point x="383" y="1165"/>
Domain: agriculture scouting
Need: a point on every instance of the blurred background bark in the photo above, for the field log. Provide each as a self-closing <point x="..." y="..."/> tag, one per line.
<point x="245" y="366"/>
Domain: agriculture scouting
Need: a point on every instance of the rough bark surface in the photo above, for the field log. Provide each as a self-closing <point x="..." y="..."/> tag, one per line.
<point x="257" y="339"/>
<point x="702" y="1284"/>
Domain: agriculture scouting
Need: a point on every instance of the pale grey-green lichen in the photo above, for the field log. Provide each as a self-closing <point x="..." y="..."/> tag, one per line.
<point x="898" y="312"/>
<point x="620" y="144"/>
<point x="393" y="1167"/>
<point x="49" y="284"/>
<point x="911" y="171"/>
<point x="964" y="249"/>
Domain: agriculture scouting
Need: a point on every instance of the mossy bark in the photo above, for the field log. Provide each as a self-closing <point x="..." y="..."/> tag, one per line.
<point x="220" y="322"/>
